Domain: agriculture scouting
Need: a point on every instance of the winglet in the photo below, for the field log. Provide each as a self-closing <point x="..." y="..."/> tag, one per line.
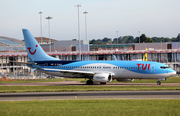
<point x="145" y="58"/>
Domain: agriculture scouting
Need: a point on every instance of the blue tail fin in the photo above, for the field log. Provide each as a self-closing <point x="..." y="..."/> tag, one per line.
<point x="34" y="50"/>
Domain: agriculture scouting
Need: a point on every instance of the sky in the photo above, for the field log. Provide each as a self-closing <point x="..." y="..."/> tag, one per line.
<point x="160" y="18"/>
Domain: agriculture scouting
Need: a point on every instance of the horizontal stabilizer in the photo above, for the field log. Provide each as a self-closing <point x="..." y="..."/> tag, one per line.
<point x="33" y="70"/>
<point x="114" y="57"/>
<point x="33" y="63"/>
<point x="21" y="62"/>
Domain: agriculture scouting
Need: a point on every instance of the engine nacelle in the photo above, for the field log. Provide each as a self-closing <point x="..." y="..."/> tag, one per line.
<point x="102" y="77"/>
<point x="124" y="80"/>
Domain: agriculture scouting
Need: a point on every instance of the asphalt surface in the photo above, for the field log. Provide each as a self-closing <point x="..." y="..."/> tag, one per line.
<point x="69" y="83"/>
<point x="90" y="95"/>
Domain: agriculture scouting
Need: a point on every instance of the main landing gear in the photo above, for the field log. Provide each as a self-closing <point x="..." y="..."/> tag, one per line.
<point x="89" y="82"/>
<point x="158" y="83"/>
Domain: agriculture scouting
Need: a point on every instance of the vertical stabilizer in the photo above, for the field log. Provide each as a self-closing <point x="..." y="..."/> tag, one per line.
<point x="34" y="50"/>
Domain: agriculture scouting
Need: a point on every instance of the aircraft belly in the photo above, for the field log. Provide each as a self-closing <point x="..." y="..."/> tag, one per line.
<point x="133" y="75"/>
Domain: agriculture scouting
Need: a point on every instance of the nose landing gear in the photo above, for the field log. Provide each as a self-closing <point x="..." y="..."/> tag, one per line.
<point x="159" y="80"/>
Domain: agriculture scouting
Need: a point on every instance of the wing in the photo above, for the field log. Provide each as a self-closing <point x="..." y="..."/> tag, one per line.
<point x="74" y="72"/>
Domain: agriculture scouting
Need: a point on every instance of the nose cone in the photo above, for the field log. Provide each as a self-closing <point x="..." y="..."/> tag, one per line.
<point x="172" y="73"/>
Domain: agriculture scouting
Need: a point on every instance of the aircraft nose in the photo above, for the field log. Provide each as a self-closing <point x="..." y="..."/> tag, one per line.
<point x="171" y="73"/>
<point x="174" y="72"/>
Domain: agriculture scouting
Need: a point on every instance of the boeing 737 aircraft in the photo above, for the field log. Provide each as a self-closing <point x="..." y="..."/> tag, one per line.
<point x="94" y="71"/>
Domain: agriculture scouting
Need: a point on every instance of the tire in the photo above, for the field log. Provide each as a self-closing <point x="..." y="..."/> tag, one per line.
<point x="102" y="82"/>
<point x="158" y="83"/>
<point x="89" y="82"/>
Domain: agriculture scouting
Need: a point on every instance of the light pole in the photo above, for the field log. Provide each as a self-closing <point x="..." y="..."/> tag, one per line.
<point x="139" y="36"/>
<point x="48" y="18"/>
<point x="117" y="36"/>
<point x="85" y="23"/>
<point x="41" y="26"/>
<point x="41" y="31"/>
<point x="79" y="32"/>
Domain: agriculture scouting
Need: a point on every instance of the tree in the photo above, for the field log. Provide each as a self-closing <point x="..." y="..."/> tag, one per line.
<point x="178" y="37"/>
<point x="109" y="42"/>
<point x="115" y="41"/>
<point x="145" y="39"/>
<point x="161" y="39"/>
<point x="130" y="39"/>
<point x="155" y="39"/>
<point x="136" y="40"/>
<point x="149" y="40"/>
<point x="92" y="41"/>
<point x="99" y="41"/>
<point x="106" y="39"/>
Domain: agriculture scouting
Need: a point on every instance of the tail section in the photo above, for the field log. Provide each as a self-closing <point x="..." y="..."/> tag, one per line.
<point x="34" y="50"/>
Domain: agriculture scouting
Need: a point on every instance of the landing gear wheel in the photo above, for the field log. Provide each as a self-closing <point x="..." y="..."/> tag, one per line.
<point x="102" y="82"/>
<point x="89" y="82"/>
<point x="158" y="83"/>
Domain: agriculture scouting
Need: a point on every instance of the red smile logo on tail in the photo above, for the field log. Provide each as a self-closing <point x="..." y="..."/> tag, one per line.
<point x="32" y="53"/>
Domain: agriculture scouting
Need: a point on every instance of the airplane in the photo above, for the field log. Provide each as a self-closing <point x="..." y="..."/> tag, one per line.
<point x="95" y="71"/>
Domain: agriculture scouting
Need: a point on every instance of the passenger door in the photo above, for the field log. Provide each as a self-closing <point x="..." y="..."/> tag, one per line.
<point x="153" y="68"/>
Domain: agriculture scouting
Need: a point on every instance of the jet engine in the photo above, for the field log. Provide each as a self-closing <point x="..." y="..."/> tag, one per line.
<point x="102" y="77"/>
<point x="124" y="80"/>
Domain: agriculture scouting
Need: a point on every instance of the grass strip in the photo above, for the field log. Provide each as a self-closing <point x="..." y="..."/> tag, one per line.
<point x="91" y="108"/>
<point x="37" y="80"/>
<point x="9" y="89"/>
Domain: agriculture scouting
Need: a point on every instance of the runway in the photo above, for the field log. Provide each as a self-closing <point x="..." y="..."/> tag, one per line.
<point x="70" y="83"/>
<point x="90" y="95"/>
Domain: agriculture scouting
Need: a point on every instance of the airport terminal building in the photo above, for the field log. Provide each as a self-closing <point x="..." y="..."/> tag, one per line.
<point x="13" y="50"/>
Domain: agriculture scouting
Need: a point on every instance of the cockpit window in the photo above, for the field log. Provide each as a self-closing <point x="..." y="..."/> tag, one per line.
<point x="164" y="67"/>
